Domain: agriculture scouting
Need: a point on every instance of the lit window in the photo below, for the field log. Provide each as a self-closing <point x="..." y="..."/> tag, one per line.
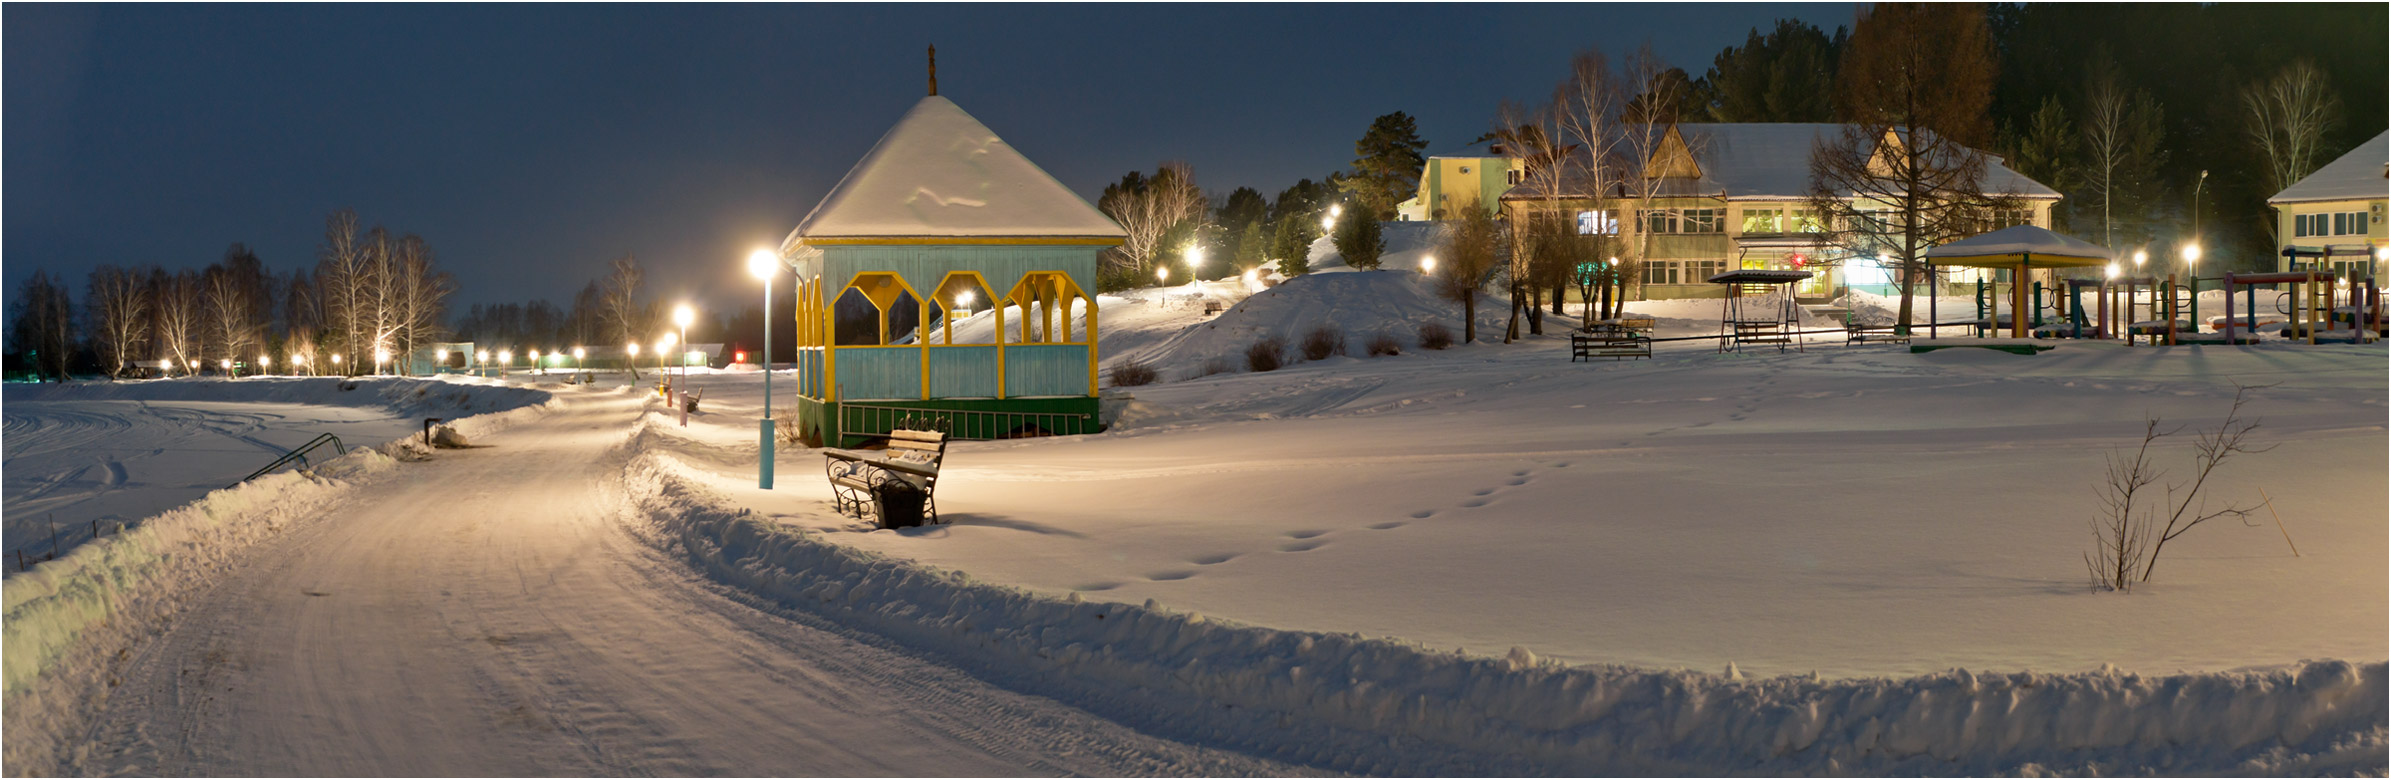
<point x="1763" y="220"/>
<point x="1598" y="223"/>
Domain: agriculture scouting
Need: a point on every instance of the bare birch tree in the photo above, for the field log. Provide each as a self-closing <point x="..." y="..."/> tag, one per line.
<point x="1587" y="108"/>
<point x="1147" y="208"/>
<point x="1645" y="178"/>
<point x="2286" y="118"/>
<point x="625" y="318"/>
<point x="118" y="303"/>
<point x="343" y="279"/>
<point x="179" y="319"/>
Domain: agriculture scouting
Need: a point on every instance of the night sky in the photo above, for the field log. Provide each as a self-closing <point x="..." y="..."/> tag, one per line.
<point x="529" y="145"/>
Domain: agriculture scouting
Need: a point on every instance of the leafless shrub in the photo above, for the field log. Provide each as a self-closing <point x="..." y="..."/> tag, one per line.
<point x="1323" y="341"/>
<point x="1267" y="354"/>
<point x="1434" y="336"/>
<point x="2128" y="534"/>
<point x="1133" y="373"/>
<point x="1383" y="344"/>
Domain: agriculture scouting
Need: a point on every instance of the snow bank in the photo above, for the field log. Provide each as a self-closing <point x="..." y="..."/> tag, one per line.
<point x="406" y="396"/>
<point x="1381" y="706"/>
<point x="70" y="621"/>
<point x="1362" y="304"/>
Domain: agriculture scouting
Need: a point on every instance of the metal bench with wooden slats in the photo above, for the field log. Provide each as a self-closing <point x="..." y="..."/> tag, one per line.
<point x="912" y="455"/>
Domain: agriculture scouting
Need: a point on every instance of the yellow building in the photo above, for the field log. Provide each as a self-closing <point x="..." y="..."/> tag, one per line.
<point x="1479" y="174"/>
<point x="1734" y="196"/>
<point x="2334" y="218"/>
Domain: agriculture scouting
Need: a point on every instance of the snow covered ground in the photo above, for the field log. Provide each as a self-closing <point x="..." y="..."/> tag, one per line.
<point x="106" y="453"/>
<point x="1847" y="560"/>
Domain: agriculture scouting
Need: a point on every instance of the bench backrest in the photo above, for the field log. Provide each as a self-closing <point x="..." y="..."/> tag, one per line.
<point x="926" y="447"/>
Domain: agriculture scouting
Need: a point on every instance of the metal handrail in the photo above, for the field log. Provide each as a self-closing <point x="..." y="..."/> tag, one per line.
<point x="962" y="424"/>
<point x="299" y="455"/>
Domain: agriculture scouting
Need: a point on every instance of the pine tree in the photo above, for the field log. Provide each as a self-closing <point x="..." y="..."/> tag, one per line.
<point x="1386" y="168"/>
<point x="1250" y="246"/>
<point x="1291" y="245"/>
<point x="1359" y="240"/>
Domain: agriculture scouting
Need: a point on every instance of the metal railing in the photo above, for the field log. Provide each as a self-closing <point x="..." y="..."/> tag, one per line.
<point x="967" y="424"/>
<point x="299" y="455"/>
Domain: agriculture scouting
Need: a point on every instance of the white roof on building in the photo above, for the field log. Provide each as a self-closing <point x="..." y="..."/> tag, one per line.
<point x="1772" y="160"/>
<point x="2022" y="239"/>
<point x="939" y="172"/>
<point x="2363" y="174"/>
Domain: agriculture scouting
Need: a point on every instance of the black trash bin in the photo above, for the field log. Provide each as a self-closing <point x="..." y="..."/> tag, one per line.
<point x="898" y="503"/>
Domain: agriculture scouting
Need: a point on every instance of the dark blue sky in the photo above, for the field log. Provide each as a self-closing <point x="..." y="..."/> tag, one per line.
<point x="531" y="144"/>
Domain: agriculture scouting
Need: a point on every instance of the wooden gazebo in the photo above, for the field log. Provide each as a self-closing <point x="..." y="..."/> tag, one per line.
<point x="940" y="217"/>
<point x="2021" y="250"/>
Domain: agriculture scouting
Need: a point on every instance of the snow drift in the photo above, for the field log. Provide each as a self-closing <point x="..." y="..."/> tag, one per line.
<point x="71" y="620"/>
<point x="1379" y="706"/>
<point x="1362" y="304"/>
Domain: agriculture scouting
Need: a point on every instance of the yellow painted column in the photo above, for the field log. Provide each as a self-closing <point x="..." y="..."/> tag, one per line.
<point x="830" y="347"/>
<point x="1000" y="348"/>
<point x="921" y="338"/>
<point x="1091" y="334"/>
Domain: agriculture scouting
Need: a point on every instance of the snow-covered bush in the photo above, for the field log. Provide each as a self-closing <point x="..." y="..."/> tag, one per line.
<point x="1323" y="341"/>
<point x="1435" y="336"/>
<point x="1267" y="354"/>
<point x="1133" y="373"/>
<point x="1383" y="344"/>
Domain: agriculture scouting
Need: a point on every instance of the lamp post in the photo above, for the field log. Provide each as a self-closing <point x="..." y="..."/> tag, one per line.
<point x="1162" y="275"/>
<point x="579" y="355"/>
<point x="764" y="265"/>
<point x="1427" y="265"/>
<point x="536" y="368"/>
<point x="682" y="315"/>
<point x="2191" y="268"/>
<point x="381" y="356"/>
<point x="631" y="356"/>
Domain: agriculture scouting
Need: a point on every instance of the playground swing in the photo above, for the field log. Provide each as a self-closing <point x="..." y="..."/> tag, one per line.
<point x="1759" y="309"/>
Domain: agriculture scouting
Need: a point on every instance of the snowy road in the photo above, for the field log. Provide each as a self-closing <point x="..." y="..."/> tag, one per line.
<point x="489" y="615"/>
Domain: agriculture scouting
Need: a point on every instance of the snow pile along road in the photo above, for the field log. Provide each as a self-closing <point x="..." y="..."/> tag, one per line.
<point x="1383" y="706"/>
<point x="68" y="621"/>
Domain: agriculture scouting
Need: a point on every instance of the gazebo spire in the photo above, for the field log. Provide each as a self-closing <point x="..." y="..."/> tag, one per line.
<point x="933" y="70"/>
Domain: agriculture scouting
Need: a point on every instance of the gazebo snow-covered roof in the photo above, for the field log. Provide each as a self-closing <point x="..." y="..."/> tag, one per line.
<point x="2362" y="174"/>
<point x="2007" y="247"/>
<point x="940" y="173"/>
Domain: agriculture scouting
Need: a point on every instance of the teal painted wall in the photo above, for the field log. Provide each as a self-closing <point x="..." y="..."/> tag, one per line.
<point x="963" y="372"/>
<point x="1046" y="369"/>
<point x="879" y="373"/>
<point x="923" y="267"/>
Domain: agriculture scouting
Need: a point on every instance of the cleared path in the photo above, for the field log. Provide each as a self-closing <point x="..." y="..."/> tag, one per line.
<point x="486" y="614"/>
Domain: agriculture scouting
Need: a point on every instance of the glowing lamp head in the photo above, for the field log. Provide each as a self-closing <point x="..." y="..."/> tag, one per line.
<point x="336" y="358"/>
<point x="1428" y="264"/>
<point x="2112" y="270"/>
<point x="195" y="364"/>
<point x="1328" y="223"/>
<point x="265" y="360"/>
<point x="506" y="356"/>
<point x="226" y="362"/>
<point x="633" y="348"/>
<point x="1195" y="257"/>
<point x="963" y="299"/>
<point x="535" y="356"/>
<point x="1614" y="262"/>
<point x="2191" y="254"/>
<point x="682" y="315"/>
<point x="381" y="356"/>
<point x="1162" y="273"/>
<point x="482" y="356"/>
<point x="2140" y="257"/>
<point x="739" y="356"/>
<point x="1336" y="210"/>
<point x="2383" y="254"/>
<point x="761" y="264"/>
<point x="579" y="353"/>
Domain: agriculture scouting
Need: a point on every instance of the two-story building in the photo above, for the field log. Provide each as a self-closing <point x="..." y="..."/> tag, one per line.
<point x="1735" y="195"/>
<point x="2335" y="216"/>
<point x="1479" y="174"/>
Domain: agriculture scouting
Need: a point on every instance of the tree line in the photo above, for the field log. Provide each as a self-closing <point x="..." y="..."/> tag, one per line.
<point x="369" y="297"/>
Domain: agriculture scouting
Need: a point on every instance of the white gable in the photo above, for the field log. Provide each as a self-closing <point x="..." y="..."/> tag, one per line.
<point x="2358" y="175"/>
<point x="939" y="172"/>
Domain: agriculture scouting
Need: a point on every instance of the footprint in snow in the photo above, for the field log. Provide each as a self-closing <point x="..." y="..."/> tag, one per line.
<point x="1423" y="514"/>
<point x="1170" y="576"/>
<point x="1387" y="526"/>
<point x="1209" y="560"/>
<point x="1305" y="534"/>
<point x="1094" y="586"/>
<point x="1304" y="546"/>
<point x="1473" y="503"/>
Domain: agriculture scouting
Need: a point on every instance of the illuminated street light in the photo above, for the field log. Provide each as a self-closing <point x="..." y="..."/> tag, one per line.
<point x="2112" y="270"/>
<point x="763" y="265"/>
<point x="1162" y="274"/>
<point x="2191" y="254"/>
<point x="964" y="298"/>
<point x="2140" y="257"/>
<point x="1428" y="264"/>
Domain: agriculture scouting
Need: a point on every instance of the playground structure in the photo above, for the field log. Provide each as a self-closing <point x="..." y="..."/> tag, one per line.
<point x="1759" y="308"/>
<point x="2314" y="304"/>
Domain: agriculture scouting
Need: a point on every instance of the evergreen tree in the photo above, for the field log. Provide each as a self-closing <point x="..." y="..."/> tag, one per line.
<point x="1243" y="207"/>
<point x="1785" y="76"/>
<point x="1386" y="168"/>
<point x="1292" y="245"/>
<point x="1250" y="245"/>
<point x="1360" y="241"/>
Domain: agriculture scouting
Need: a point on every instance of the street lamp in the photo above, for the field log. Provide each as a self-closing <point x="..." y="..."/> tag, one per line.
<point x="536" y="368"/>
<point x="682" y="315"/>
<point x="579" y="354"/>
<point x="1162" y="274"/>
<point x="1195" y="259"/>
<point x="763" y="265"/>
<point x="264" y="362"/>
<point x="2140" y="257"/>
<point x="2191" y="268"/>
<point x="226" y="364"/>
<point x="506" y="360"/>
<point x="1427" y="265"/>
<point x="381" y="356"/>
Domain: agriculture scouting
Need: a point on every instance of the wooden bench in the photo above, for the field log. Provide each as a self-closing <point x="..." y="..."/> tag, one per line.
<point x="1616" y="345"/>
<point x="1863" y="334"/>
<point x="912" y="456"/>
<point x="1758" y="332"/>
<point x="1211" y="308"/>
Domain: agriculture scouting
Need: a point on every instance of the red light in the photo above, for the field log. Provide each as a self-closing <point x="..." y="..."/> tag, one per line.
<point x="1799" y="261"/>
<point x="738" y="357"/>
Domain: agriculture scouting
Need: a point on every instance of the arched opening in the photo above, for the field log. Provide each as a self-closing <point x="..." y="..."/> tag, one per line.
<point x="1047" y="308"/>
<point x="964" y="310"/>
<point x="875" y="309"/>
